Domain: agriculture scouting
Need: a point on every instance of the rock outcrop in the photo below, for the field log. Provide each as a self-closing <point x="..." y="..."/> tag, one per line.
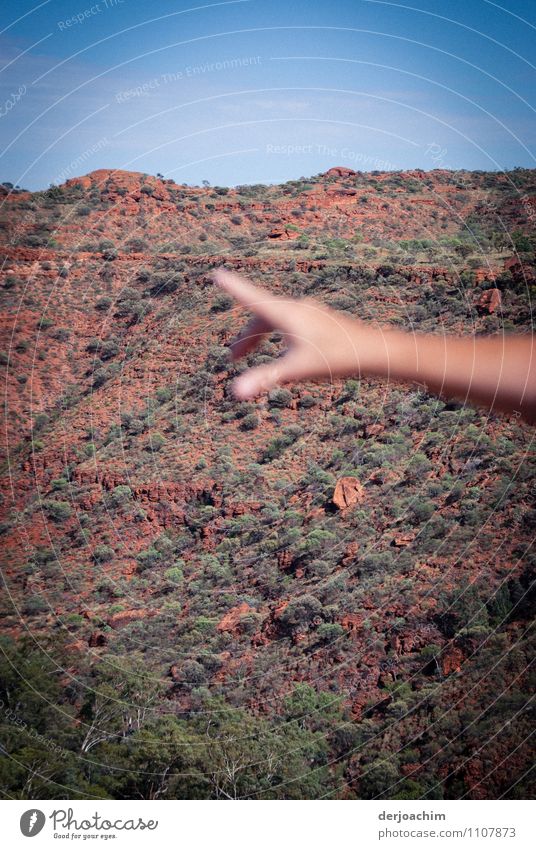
<point x="490" y="301"/>
<point x="340" y="171"/>
<point x="348" y="491"/>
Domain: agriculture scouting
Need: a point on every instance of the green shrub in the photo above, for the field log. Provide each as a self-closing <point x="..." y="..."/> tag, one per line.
<point x="148" y="558"/>
<point x="193" y="673"/>
<point x="163" y="394"/>
<point x="58" y="483"/>
<point x="103" y="553"/>
<point x="249" y="422"/>
<point x="418" y="465"/>
<point x="276" y="447"/>
<point x="41" y="421"/>
<point x="36" y="604"/>
<point x="222" y="303"/>
<point x="136" y="245"/>
<point x="57" y="510"/>
<point x="120" y="495"/>
<point x="279" y="397"/>
<point x="164" y="283"/>
<point x="217" y="359"/>
<point x="204" y="624"/>
<point x="422" y="510"/>
<point x="330" y="632"/>
<point x="301" y="611"/>
<point x="101" y="375"/>
<point x="103" y="304"/>
<point x="156" y="442"/>
<point x="175" y="575"/>
<point x="108" y="349"/>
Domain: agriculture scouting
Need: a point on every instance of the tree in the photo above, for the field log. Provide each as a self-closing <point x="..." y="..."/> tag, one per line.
<point x="300" y="611"/>
<point x="116" y="703"/>
<point x="158" y="762"/>
<point x="36" y="723"/>
<point x="245" y="757"/>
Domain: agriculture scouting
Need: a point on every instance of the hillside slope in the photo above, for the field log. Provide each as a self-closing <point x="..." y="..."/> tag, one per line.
<point x="194" y="554"/>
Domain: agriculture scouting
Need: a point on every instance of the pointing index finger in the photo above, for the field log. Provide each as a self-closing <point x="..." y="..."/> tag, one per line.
<point x="260" y="301"/>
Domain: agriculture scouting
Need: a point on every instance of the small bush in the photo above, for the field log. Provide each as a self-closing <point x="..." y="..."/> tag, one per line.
<point x="300" y="611"/>
<point x="422" y="510"/>
<point x="279" y="398"/>
<point x="58" y="483"/>
<point x="193" y="673"/>
<point x="103" y="553"/>
<point x="148" y="558"/>
<point x="103" y="304"/>
<point x="164" y="283"/>
<point x="330" y="632"/>
<point x="174" y="575"/>
<point x="156" y="442"/>
<point x="36" y="604"/>
<point x="418" y="466"/>
<point x="41" y="421"/>
<point x="61" y="334"/>
<point x="108" y="349"/>
<point x="120" y="495"/>
<point x="163" y="394"/>
<point x="222" y="303"/>
<point x="57" y="510"/>
<point x="249" y="422"/>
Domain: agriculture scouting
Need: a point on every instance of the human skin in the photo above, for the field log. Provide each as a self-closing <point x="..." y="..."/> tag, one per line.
<point x="498" y="372"/>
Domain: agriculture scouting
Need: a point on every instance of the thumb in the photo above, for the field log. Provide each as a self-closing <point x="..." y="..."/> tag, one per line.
<point x="255" y="381"/>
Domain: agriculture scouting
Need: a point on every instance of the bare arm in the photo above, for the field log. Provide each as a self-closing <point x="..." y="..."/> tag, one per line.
<point x="496" y="371"/>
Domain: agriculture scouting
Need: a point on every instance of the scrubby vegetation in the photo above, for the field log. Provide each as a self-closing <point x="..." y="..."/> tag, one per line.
<point x="201" y="620"/>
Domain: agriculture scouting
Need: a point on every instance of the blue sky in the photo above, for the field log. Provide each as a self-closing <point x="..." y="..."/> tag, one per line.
<point x="263" y="90"/>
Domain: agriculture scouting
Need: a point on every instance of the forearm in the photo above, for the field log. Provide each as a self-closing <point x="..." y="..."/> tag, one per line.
<point x="498" y="372"/>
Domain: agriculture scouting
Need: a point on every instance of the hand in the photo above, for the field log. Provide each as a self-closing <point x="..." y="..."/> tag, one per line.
<point x="497" y="371"/>
<point x="321" y="342"/>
